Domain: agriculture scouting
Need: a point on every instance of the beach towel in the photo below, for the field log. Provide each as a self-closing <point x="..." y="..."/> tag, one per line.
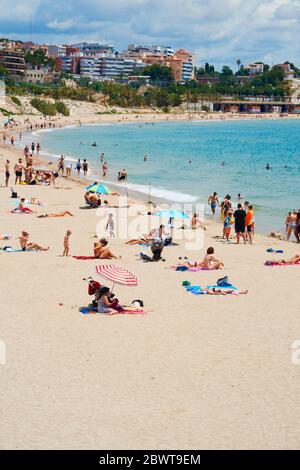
<point x="84" y="257"/>
<point x="126" y="311"/>
<point x="198" y="290"/>
<point x="276" y="263"/>
<point x="12" y="250"/>
<point x="271" y="250"/>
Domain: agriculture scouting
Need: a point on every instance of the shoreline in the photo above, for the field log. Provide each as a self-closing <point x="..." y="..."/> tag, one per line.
<point x="137" y="195"/>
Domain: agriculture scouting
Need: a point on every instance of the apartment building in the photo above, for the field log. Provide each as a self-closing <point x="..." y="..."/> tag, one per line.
<point x="13" y="61"/>
<point x="56" y="51"/>
<point x="38" y="76"/>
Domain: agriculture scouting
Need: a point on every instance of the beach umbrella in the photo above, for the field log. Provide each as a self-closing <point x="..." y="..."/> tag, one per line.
<point x="172" y="214"/>
<point x="99" y="189"/>
<point x="117" y="274"/>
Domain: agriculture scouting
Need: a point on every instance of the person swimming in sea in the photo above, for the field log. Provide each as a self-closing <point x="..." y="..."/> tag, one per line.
<point x="94" y="144"/>
<point x="268" y="167"/>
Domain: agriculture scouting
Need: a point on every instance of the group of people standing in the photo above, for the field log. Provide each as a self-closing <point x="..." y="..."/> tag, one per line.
<point x="242" y="218"/>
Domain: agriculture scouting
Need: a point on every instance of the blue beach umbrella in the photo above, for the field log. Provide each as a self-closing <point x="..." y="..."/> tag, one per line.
<point x="172" y="214"/>
<point x="99" y="189"/>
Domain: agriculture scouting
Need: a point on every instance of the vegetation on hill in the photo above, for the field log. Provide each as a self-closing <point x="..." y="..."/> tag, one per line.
<point x="16" y="100"/>
<point x="50" y="109"/>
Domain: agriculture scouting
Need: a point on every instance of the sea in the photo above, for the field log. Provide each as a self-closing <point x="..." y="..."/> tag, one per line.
<point x="187" y="161"/>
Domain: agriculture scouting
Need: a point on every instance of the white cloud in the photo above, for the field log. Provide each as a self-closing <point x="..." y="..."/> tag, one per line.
<point x="61" y="25"/>
<point x="219" y="31"/>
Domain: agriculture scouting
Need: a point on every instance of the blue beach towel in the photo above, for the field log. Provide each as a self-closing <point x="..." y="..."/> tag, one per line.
<point x="197" y="290"/>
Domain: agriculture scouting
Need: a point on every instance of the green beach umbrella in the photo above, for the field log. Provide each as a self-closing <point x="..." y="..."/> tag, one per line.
<point x="99" y="189"/>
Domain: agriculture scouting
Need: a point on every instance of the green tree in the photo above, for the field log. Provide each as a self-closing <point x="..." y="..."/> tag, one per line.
<point x="159" y="73"/>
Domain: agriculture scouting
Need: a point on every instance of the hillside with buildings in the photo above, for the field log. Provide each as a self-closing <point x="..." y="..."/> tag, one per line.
<point x="156" y="76"/>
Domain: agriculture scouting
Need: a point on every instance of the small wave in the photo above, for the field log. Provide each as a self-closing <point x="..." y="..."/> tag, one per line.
<point x="155" y="192"/>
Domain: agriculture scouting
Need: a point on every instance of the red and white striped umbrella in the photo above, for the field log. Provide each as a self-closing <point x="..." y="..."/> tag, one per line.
<point x="117" y="274"/>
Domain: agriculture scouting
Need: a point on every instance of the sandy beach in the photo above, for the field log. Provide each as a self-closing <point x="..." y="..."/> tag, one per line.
<point x="193" y="372"/>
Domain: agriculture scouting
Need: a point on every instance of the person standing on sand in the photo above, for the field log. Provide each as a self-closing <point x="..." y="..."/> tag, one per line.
<point x="249" y="224"/>
<point x="7" y="172"/>
<point x="78" y="166"/>
<point x="61" y="165"/>
<point x="85" y="167"/>
<point x="110" y="226"/>
<point x="12" y="140"/>
<point x="68" y="169"/>
<point x="213" y="201"/>
<point x="240" y="223"/>
<point x="66" y="243"/>
<point x="18" y="168"/>
<point x="291" y="225"/>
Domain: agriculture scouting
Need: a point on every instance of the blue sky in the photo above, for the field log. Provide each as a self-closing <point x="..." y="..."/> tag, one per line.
<point x="218" y="31"/>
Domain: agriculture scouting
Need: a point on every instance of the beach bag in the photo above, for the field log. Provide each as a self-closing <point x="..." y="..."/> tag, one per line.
<point x="182" y="268"/>
<point x="14" y="195"/>
<point x="168" y="241"/>
<point x="224" y="282"/>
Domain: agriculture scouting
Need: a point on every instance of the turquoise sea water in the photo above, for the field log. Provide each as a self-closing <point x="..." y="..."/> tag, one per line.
<point x="245" y="146"/>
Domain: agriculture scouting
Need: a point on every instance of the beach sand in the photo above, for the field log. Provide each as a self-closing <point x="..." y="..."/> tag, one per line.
<point x="194" y="372"/>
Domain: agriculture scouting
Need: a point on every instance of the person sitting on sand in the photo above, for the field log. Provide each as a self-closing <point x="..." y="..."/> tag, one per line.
<point x="197" y="223"/>
<point x="210" y="261"/>
<point x="92" y="200"/>
<point x="102" y="251"/>
<point x="22" y="208"/>
<point x="59" y="214"/>
<point x="26" y="246"/>
<point x="105" y="302"/>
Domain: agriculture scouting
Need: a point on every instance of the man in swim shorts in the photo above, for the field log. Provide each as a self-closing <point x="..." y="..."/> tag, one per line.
<point x="213" y="200"/>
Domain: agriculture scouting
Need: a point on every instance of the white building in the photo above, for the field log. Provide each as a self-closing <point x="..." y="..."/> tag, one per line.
<point x="56" y="51"/>
<point x="255" y="69"/>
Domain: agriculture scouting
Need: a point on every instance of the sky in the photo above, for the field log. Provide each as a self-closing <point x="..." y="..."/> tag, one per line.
<point x="217" y="31"/>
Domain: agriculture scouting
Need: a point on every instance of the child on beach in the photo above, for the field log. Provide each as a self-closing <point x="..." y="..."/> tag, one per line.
<point x="228" y="222"/>
<point x="66" y="243"/>
<point x="110" y="226"/>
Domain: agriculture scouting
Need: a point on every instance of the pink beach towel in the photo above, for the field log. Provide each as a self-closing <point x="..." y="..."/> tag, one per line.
<point x="84" y="257"/>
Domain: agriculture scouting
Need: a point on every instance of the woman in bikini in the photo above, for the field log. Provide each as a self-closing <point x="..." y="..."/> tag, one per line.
<point x="59" y="214"/>
<point x="26" y="246"/>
